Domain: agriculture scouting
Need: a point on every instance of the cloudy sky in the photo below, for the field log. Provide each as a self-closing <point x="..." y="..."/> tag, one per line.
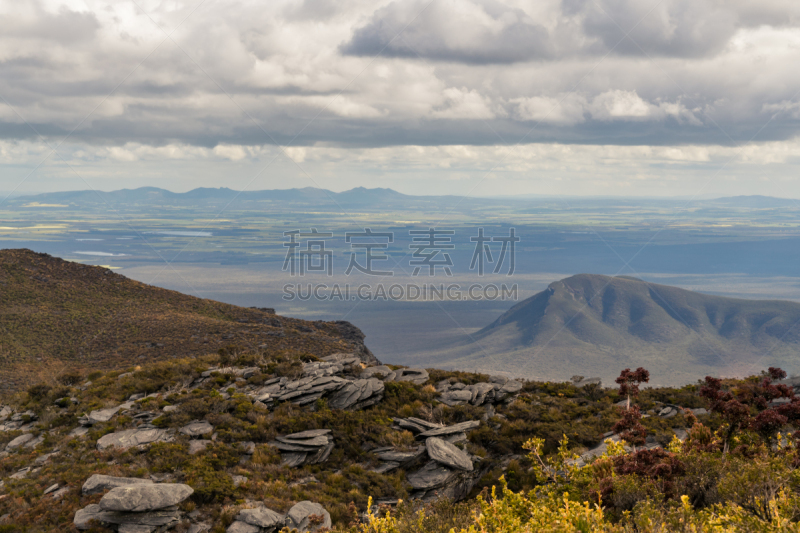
<point x="480" y="97"/>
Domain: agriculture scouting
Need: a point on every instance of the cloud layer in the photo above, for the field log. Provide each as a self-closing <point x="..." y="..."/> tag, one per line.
<point x="234" y="77"/>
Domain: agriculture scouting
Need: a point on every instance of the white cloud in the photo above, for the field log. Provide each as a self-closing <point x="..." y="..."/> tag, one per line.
<point x="463" y="103"/>
<point x="693" y="76"/>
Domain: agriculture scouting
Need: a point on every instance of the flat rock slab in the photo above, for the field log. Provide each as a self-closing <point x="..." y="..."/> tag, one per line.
<point x="430" y="476"/>
<point x="311" y="433"/>
<point x="132" y="437"/>
<point x="399" y="457"/>
<point x="197" y="429"/>
<point x="447" y="454"/>
<point x="139" y="498"/>
<point x="261" y="517"/>
<point x="293" y="459"/>
<point x="153" y="519"/>
<point x="19" y="441"/>
<point x="104" y="415"/>
<point x="293" y="447"/>
<point x="312" y="442"/>
<point x="101" y="483"/>
<point x="424" y="423"/>
<point x="299" y="516"/>
<point x="449" y="430"/>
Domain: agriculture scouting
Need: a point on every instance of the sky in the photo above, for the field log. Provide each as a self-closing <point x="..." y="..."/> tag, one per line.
<point x="690" y="98"/>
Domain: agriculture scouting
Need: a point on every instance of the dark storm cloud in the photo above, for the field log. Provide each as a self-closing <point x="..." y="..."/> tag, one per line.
<point x="479" y="33"/>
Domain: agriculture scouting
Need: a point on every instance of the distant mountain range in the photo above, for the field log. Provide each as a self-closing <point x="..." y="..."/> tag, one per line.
<point x="154" y="196"/>
<point x="596" y="325"/>
<point x="357" y="197"/>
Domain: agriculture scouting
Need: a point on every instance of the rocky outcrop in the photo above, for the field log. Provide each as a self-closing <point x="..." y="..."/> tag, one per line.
<point x="320" y="381"/>
<point x="500" y="389"/>
<point x="134" y="506"/>
<point x="355" y="337"/>
<point x="307" y="447"/>
<point x="144" y="522"/>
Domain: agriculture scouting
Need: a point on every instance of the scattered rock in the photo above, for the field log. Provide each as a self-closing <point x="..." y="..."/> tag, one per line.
<point x="307" y="447"/>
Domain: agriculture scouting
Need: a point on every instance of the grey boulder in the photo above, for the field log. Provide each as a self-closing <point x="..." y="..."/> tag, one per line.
<point x="19" y="441"/>
<point x="101" y="483"/>
<point x="140" y="498"/>
<point x="197" y="429"/>
<point x="308" y="516"/>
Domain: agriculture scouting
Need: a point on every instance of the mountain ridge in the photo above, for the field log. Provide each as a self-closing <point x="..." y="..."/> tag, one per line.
<point x="588" y="323"/>
<point x="58" y="316"/>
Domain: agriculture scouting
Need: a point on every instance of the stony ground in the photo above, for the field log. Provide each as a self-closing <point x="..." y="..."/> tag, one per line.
<point x="255" y="442"/>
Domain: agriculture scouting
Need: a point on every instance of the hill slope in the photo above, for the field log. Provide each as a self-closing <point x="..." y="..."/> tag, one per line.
<point x="57" y="315"/>
<point x="593" y="325"/>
